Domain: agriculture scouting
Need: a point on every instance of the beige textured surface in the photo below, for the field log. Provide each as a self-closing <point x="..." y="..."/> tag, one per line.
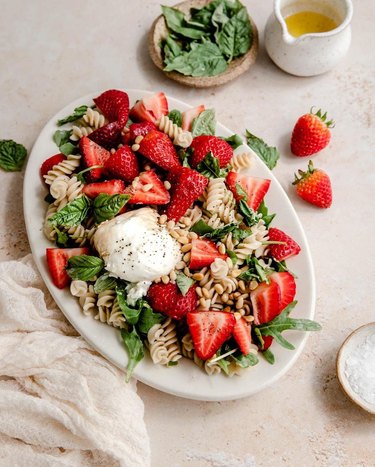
<point x="53" y="52"/>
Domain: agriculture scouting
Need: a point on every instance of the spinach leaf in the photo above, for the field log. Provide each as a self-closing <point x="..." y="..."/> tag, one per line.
<point x="77" y="113"/>
<point x="84" y="267"/>
<point x="171" y="49"/>
<point x="131" y="314"/>
<point x="72" y="214"/>
<point x="134" y="345"/>
<point x="176" y="22"/>
<point x="210" y="167"/>
<point x="176" y="117"/>
<point x="269" y="155"/>
<point x="203" y="59"/>
<point x="148" y="318"/>
<point x="204" y="123"/>
<point x="105" y="282"/>
<point x="106" y="207"/>
<point x="236" y="36"/>
<point x="184" y="283"/>
<point x="12" y="155"/>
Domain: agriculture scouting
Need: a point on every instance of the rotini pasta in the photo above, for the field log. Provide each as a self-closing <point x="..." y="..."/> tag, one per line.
<point x="179" y="136"/>
<point x="163" y="343"/>
<point x="241" y="161"/>
<point x="65" y="167"/>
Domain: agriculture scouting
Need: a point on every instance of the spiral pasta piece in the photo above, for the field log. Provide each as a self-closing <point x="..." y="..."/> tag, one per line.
<point x="219" y="269"/>
<point x="88" y="302"/>
<point x="179" y="136"/>
<point x="79" y="131"/>
<point x="48" y="230"/>
<point x="65" y="167"/>
<point x="163" y="343"/>
<point x="78" y="288"/>
<point x="241" y="161"/>
<point x="94" y="119"/>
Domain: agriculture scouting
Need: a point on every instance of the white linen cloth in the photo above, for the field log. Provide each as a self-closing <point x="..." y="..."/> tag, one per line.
<point x="61" y="403"/>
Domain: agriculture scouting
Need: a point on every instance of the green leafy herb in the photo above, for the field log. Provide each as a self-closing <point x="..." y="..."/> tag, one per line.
<point x="105" y="282"/>
<point x="84" y="267"/>
<point x="204" y="59"/>
<point x="106" y="207"/>
<point x="12" y="155"/>
<point x="131" y="313"/>
<point x="236" y="36"/>
<point x="171" y="49"/>
<point x="68" y="148"/>
<point x="78" y="113"/>
<point x="282" y="323"/>
<point x="269" y="356"/>
<point x="245" y="361"/>
<point x="62" y="140"/>
<point x="176" y="117"/>
<point x="148" y="318"/>
<point x="235" y="141"/>
<point x="72" y="214"/>
<point x="201" y="228"/>
<point x="62" y="238"/>
<point x="176" y="22"/>
<point x="221" y="232"/>
<point x="183" y="283"/>
<point x="256" y="271"/>
<point x="232" y="255"/>
<point x="269" y="155"/>
<point x="134" y="345"/>
<point x="210" y="167"/>
<point x="250" y="217"/>
<point x="263" y="210"/>
<point x="204" y="123"/>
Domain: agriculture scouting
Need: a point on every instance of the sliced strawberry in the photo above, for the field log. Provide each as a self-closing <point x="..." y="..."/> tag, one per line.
<point x="114" y="104"/>
<point x="168" y="300"/>
<point x="202" y="145"/>
<point x="122" y="164"/>
<point x="287" y="286"/>
<point x="209" y="330"/>
<point x="242" y="335"/>
<point x="189" y="115"/>
<point x="158" y="147"/>
<point x="110" y="187"/>
<point x="265" y="300"/>
<point x="57" y="260"/>
<point x="108" y="135"/>
<point x="188" y="185"/>
<point x="92" y="155"/>
<point x="285" y="250"/>
<point x="142" y="193"/>
<point x="140" y="129"/>
<point x="203" y="253"/>
<point x="150" y="108"/>
<point x="255" y="188"/>
<point x="49" y="163"/>
<point x="267" y="341"/>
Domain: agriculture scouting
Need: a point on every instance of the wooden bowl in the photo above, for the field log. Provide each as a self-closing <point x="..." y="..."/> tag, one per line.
<point x="236" y="67"/>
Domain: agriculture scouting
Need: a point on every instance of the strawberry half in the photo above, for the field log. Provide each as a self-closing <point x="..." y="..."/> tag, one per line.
<point x="203" y="253"/>
<point x="267" y="341"/>
<point x="284" y="250"/>
<point x="114" y="104"/>
<point x="57" y="260"/>
<point x="242" y="335"/>
<point x="149" y="108"/>
<point x="168" y="300"/>
<point x="255" y="188"/>
<point x="265" y="300"/>
<point x="202" y="145"/>
<point x="110" y="187"/>
<point x="49" y="163"/>
<point x="122" y="164"/>
<point x="187" y="186"/>
<point x="311" y="134"/>
<point x="209" y="330"/>
<point x="189" y="115"/>
<point x="108" y="135"/>
<point x="287" y="286"/>
<point x="314" y="186"/>
<point x="92" y="155"/>
<point x="140" y="129"/>
<point x="148" y="189"/>
<point x="158" y="148"/>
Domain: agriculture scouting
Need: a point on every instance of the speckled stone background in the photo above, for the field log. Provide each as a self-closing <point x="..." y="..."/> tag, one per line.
<point x="52" y="52"/>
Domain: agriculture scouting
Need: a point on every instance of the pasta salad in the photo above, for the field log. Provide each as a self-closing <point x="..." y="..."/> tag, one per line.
<point x="161" y="231"/>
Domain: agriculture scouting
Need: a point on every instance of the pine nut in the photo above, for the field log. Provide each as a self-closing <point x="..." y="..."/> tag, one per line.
<point x="241" y="285"/>
<point x="167" y="185"/>
<point x="135" y="147"/>
<point x="138" y="139"/>
<point x="239" y="303"/>
<point x="186" y="257"/>
<point x="237" y="316"/>
<point x="163" y="219"/>
<point x="219" y="289"/>
<point x="230" y="302"/>
<point x="202" y="301"/>
<point x="193" y="235"/>
<point x="174" y="234"/>
<point x="171" y="224"/>
<point x="187" y="221"/>
<point x="235" y="272"/>
<point x="147" y="187"/>
<point x="206" y="293"/>
<point x="222" y="251"/>
<point x="186" y="248"/>
<point x="173" y="276"/>
<point x="225" y="297"/>
<point x="187" y="271"/>
<point x="253" y="285"/>
<point x="165" y="279"/>
<point x="113" y="151"/>
<point x="198" y="276"/>
<point x="180" y="265"/>
<point x="183" y="240"/>
<point x="147" y="167"/>
<point x="199" y="291"/>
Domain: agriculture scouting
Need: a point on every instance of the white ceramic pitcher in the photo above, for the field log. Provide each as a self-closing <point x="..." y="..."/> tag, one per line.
<point x="309" y="54"/>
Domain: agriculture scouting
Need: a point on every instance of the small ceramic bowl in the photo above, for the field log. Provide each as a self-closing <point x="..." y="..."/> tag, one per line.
<point x="237" y="66"/>
<point x="355" y="339"/>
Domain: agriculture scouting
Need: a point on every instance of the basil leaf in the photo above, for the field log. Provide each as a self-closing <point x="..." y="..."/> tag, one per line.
<point x="84" y="267"/>
<point x="176" y="117"/>
<point x="72" y="214"/>
<point x="269" y="356"/>
<point x="203" y="59"/>
<point x="183" y="283"/>
<point x="282" y="322"/>
<point x="105" y="282"/>
<point x="235" y="38"/>
<point x="263" y="210"/>
<point x="61" y="137"/>
<point x="201" y="228"/>
<point x="245" y="361"/>
<point x="221" y="232"/>
<point x="255" y="271"/>
<point x="68" y="148"/>
<point x="62" y="238"/>
<point x="12" y="155"/>
<point x="131" y="314"/>
<point x="232" y="255"/>
<point x="106" y="207"/>
<point x="148" y="318"/>
<point x="204" y="123"/>
<point x="210" y="167"/>
<point x="175" y="20"/>
<point x="219" y="16"/>
<point x="235" y="141"/>
<point x="134" y="345"/>
<point x="250" y="217"/>
<point x="77" y="113"/>
<point x="269" y="155"/>
<point x="171" y="49"/>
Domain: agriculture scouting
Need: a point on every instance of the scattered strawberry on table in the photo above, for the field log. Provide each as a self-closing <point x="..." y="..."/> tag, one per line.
<point x="314" y="186"/>
<point x="125" y="193"/>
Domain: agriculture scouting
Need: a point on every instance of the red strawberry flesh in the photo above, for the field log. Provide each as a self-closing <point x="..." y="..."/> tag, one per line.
<point x="287" y="286"/>
<point x="57" y="260"/>
<point x="108" y="135"/>
<point x="189" y="115"/>
<point x="202" y="145"/>
<point x="109" y="187"/>
<point x="255" y="188"/>
<point x="203" y="253"/>
<point x="123" y="164"/>
<point x="114" y="104"/>
<point x="93" y="155"/>
<point x="49" y="163"/>
<point x="265" y="300"/>
<point x="150" y="108"/>
<point x="168" y="300"/>
<point x="158" y="148"/>
<point x="242" y="335"/>
<point x="284" y="250"/>
<point x="148" y="189"/>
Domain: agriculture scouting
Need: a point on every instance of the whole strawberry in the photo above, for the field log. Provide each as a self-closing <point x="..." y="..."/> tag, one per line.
<point x="168" y="300"/>
<point x="311" y="134"/>
<point x="314" y="186"/>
